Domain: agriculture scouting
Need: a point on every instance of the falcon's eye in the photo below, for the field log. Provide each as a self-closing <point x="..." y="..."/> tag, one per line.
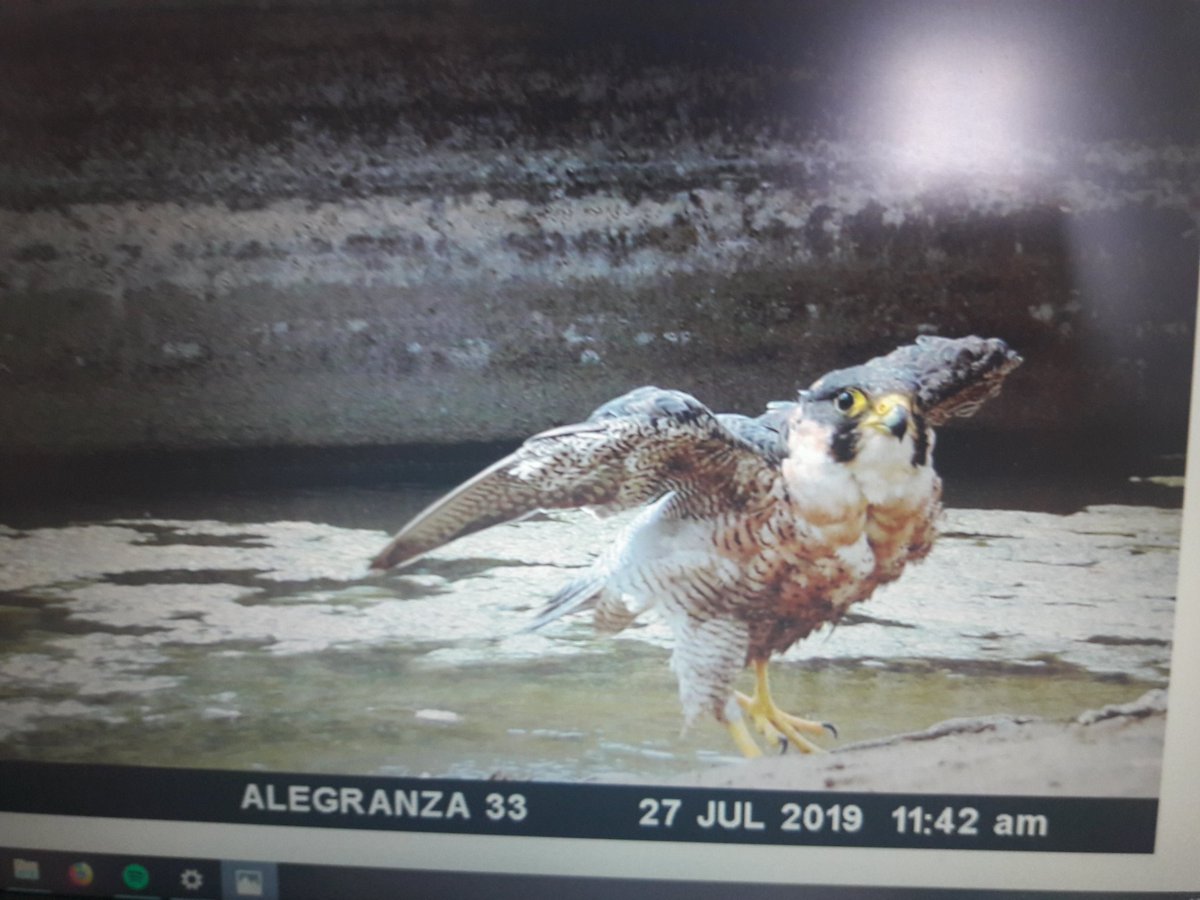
<point x="850" y="401"/>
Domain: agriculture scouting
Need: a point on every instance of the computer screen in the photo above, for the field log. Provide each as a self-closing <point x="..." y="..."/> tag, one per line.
<point x="638" y="449"/>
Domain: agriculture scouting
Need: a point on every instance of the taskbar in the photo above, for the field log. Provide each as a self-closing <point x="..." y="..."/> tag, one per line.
<point x="32" y="873"/>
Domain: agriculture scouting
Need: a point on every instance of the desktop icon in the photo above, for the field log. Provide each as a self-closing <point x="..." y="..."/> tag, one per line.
<point x="26" y="869"/>
<point x="249" y="878"/>
<point x="248" y="882"/>
<point x="191" y="880"/>
<point x="80" y="874"/>
<point x="136" y="877"/>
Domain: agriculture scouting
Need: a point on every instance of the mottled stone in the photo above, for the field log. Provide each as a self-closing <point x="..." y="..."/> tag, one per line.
<point x="300" y="225"/>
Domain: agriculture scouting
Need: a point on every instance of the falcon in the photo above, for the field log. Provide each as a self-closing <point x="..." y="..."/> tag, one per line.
<point x="752" y="532"/>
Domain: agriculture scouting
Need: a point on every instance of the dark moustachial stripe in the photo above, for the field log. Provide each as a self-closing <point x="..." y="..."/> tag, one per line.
<point x="920" y="455"/>
<point x="845" y="442"/>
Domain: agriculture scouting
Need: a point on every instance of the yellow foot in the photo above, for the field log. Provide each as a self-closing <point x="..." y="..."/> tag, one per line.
<point x="742" y="737"/>
<point x="781" y="729"/>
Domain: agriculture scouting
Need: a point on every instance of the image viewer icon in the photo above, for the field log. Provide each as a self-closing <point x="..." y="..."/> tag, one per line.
<point x="26" y="869"/>
<point x="249" y="883"/>
<point x="249" y="878"/>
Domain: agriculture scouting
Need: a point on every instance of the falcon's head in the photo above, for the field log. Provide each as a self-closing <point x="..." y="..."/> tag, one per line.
<point x="882" y="413"/>
<point x="879" y="419"/>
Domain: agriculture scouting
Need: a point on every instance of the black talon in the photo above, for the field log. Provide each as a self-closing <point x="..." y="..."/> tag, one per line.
<point x="830" y="727"/>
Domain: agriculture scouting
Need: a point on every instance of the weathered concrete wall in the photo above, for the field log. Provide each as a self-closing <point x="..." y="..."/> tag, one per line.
<point x="439" y="222"/>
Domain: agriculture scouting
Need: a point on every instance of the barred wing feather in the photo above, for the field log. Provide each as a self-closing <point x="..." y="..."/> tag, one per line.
<point x="630" y="451"/>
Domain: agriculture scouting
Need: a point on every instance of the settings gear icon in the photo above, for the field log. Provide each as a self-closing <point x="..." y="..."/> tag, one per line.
<point x="191" y="880"/>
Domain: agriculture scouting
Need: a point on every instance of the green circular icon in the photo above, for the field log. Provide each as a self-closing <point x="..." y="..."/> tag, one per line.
<point x="136" y="877"/>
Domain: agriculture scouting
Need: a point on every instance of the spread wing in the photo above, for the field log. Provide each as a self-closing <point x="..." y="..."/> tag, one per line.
<point x="766" y="433"/>
<point x="630" y="451"/>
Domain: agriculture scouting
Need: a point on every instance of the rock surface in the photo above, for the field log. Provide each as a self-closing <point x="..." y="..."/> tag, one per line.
<point x="274" y="631"/>
<point x="1113" y="752"/>
<point x="235" y="225"/>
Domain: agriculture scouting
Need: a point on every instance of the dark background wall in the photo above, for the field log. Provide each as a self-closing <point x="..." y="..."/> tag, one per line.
<point x="366" y="224"/>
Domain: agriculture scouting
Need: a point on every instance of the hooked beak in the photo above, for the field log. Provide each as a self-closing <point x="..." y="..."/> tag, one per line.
<point x="890" y="414"/>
